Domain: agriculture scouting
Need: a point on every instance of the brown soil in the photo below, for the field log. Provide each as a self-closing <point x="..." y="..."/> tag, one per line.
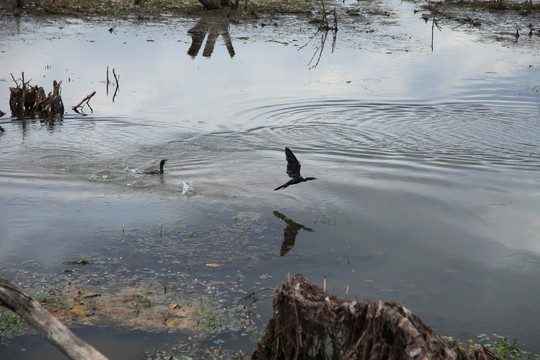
<point x="142" y="8"/>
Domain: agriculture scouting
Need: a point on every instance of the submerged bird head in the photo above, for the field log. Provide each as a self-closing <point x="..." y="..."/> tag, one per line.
<point x="310" y="178"/>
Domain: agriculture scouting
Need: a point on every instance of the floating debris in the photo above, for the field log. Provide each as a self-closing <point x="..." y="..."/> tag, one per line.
<point x="81" y="262"/>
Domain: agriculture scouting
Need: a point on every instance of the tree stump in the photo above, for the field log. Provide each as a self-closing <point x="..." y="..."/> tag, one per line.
<point x="309" y="323"/>
<point x="31" y="99"/>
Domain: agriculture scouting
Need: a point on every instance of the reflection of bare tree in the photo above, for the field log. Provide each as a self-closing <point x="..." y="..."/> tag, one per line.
<point x="213" y="28"/>
<point x="319" y="49"/>
<point x="434" y="24"/>
<point x="323" y="26"/>
<point x="290" y="232"/>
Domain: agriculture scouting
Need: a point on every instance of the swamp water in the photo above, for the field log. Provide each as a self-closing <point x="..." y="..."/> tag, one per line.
<point x="428" y="165"/>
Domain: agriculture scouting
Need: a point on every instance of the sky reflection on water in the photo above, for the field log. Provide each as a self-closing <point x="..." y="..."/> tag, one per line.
<point x="428" y="161"/>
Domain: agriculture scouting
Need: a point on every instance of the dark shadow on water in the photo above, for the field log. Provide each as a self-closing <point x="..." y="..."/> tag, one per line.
<point x="214" y="28"/>
<point x="289" y="233"/>
<point x="23" y="119"/>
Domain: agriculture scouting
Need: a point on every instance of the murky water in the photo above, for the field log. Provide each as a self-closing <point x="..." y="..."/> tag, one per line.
<point x="428" y="162"/>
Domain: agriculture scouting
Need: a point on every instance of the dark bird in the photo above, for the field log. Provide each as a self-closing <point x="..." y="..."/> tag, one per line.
<point x="290" y="232"/>
<point x="293" y="170"/>
<point x="156" y="172"/>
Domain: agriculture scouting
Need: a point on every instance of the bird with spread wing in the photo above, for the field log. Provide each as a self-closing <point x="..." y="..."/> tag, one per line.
<point x="293" y="170"/>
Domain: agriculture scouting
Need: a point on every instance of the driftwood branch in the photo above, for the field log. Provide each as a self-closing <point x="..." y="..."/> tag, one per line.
<point x="16" y="300"/>
<point x="86" y="101"/>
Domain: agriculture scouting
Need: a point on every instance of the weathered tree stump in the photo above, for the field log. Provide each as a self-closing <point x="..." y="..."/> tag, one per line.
<point x="32" y="99"/>
<point x="309" y="323"/>
<point x="16" y="300"/>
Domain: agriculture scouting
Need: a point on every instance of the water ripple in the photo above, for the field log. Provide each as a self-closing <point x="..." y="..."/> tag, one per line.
<point x="445" y="134"/>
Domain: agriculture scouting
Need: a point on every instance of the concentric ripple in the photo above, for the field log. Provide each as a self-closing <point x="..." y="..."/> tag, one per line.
<point x="448" y="134"/>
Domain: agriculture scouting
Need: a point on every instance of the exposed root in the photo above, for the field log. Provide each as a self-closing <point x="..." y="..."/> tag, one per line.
<point x="309" y="323"/>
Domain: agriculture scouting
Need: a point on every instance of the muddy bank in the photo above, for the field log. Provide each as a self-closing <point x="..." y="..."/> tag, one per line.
<point x="144" y="9"/>
<point x="497" y="20"/>
<point x="501" y="21"/>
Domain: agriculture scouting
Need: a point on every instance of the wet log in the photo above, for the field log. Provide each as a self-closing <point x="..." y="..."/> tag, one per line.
<point x="16" y="300"/>
<point x="309" y="323"/>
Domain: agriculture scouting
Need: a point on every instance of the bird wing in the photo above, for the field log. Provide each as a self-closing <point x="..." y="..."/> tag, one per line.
<point x="293" y="165"/>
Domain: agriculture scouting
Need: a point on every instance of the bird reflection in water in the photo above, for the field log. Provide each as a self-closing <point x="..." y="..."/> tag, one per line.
<point x="213" y="28"/>
<point x="290" y="232"/>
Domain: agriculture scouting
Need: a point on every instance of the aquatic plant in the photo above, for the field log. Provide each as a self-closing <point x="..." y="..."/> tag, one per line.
<point x="11" y="324"/>
<point x="503" y="347"/>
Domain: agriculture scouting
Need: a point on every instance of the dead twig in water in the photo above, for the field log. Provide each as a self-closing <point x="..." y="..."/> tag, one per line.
<point x="109" y="82"/>
<point x="252" y="300"/>
<point x="326" y="26"/>
<point x="86" y="101"/>
<point x="116" y="78"/>
<point x="208" y="351"/>
<point x="434" y="25"/>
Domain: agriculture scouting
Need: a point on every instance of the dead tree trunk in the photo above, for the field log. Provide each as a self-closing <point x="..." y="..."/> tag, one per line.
<point x="309" y="323"/>
<point x="16" y="300"/>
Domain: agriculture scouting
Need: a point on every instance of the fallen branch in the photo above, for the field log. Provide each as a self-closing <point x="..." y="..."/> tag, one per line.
<point x="86" y="101"/>
<point x="16" y="300"/>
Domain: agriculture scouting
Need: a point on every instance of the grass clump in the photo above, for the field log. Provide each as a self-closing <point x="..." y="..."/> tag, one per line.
<point x="11" y="324"/>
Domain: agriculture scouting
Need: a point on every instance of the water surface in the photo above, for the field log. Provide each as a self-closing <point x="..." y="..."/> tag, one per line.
<point x="428" y="162"/>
